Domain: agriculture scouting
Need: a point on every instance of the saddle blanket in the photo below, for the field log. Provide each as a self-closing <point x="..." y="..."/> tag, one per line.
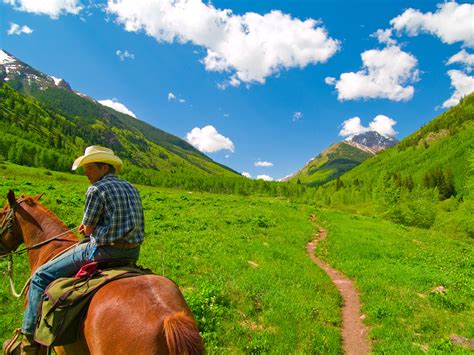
<point x="66" y="300"/>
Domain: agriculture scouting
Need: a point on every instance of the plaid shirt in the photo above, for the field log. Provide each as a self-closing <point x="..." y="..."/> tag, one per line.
<point x="114" y="208"/>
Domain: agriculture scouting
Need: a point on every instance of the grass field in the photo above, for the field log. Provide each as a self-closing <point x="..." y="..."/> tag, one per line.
<point x="416" y="285"/>
<point x="242" y="266"/>
<point x="240" y="261"/>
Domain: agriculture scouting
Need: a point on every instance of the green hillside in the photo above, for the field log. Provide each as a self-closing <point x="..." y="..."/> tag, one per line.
<point x="53" y="129"/>
<point x="426" y="180"/>
<point x="35" y="134"/>
<point x="242" y="266"/>
<point x="328" y="165"/>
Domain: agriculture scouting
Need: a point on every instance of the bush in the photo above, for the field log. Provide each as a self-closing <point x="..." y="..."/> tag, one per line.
<point x="210" y="306"/>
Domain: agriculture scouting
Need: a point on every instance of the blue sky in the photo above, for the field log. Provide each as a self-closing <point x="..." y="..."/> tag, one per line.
<point x="260" y="86"/>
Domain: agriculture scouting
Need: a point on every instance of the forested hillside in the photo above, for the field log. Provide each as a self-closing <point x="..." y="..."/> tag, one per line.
<point x="426" y="180"/>
<point x="330" y="164"/>
<point x="35" y="134"/>
<point x="52" y="132"/>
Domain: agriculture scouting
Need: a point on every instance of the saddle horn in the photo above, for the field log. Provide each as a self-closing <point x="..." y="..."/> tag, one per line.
<point x="11" y="199"/>
<point x="36" y="198"/>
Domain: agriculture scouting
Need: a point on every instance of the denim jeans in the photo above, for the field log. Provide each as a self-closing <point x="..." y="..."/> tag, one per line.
<point x="67" y="265"/>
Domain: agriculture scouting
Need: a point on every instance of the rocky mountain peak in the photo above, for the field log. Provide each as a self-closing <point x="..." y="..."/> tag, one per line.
<point x="371" y="141"/>
<point x="14" y="70"/>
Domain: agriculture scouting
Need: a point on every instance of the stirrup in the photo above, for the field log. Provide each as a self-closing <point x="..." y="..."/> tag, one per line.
<point x="13" y="346"/>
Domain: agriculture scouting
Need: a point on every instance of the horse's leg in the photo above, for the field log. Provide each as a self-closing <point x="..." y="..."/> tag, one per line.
<point x="126" y="316"/>
<point x="77" y="348"/>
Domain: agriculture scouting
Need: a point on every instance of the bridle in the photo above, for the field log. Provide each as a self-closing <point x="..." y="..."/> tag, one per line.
<point x="8" y="225"/>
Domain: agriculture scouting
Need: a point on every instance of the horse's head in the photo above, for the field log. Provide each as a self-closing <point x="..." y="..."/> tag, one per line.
<point x="10" y="232"/>
<point x="11" y="235"/>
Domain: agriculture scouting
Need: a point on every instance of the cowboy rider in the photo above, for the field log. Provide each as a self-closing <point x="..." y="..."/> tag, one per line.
<point x="113" y="218"/>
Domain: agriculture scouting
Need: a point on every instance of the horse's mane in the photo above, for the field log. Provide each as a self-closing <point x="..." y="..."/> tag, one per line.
<point x="34" y="203"/>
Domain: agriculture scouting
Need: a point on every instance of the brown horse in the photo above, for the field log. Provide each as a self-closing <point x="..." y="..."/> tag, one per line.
<point x="138" y="315"/>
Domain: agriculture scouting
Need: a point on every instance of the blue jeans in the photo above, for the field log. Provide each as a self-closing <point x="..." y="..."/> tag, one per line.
<point x="67" y="265"/>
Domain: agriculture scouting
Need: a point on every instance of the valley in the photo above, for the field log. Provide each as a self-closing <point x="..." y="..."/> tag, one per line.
<point x="242" y="265"/>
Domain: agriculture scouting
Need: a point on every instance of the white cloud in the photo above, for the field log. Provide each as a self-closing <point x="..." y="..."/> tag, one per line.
<point x="464" y="58"/>
<point x="330" y="80"/>
<point x="208" y="140"/>
<point x="117" y="106"/>
<point x="263" y="163"/>
<point x="384" y="74"/>
<point x="297" y="116"/>
<point x="246" y="174"/>
<point x="384" y="36"/>
<point x="381" y="124"/>
<point x="264" y="177"/>
<point x="16" y="29"/>
<point x="352" y="127"/>
<point x="52" y="8"/>
<point x="249" y="47"/>
<point x="234" y="81"/>
<point x="172" y="97"/>
<point x="222" y="86"/>
<point x="125" y="55"/>
<point x="463" y="85"/>
<point x="452" y="23"/>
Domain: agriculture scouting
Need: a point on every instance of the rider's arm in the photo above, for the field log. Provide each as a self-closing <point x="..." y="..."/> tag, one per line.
<point x="86" y="230"/>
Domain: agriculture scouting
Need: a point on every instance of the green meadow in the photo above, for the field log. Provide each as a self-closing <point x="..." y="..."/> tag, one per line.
<point x="416" y="285"/>
<point x="241" y="263"/>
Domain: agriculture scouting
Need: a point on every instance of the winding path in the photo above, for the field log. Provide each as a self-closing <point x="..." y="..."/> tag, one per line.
<point x="354" y="332"/>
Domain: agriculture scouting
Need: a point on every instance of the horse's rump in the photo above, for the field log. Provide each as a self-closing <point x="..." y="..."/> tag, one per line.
<point x="141" y="315"/>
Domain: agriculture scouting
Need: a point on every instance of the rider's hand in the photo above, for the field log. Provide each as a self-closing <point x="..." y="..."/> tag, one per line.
<point x="86" y="230"/>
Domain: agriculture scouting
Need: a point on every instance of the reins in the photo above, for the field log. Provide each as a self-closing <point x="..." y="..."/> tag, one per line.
<point x="10" y="279"/>
<point x="9" y="271"/>
<point x="25" y="249"/>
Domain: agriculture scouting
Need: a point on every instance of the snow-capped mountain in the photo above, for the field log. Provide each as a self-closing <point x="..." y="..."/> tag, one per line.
<point x="341" y="157"/>
<point x="62" y="122"/>
<point x="371" y="141"/>
<point x="18" y="73"/>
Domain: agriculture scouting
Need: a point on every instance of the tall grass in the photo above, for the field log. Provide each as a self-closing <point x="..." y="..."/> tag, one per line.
<point x="240" y="261"/>
<point x="242" y="266"/>
<point x="416" y="285"/>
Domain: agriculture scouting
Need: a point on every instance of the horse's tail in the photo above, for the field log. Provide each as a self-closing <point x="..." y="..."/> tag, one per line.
<point x="182" y="335"/>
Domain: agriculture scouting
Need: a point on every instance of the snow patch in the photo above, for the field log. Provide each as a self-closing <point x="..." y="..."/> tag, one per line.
<point x="56" y="80"/>
<point x="360" y="146"/>
<point x="5" y="58"/>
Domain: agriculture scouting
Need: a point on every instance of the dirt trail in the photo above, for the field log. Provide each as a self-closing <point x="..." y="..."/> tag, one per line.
<point x="354" y="332"/>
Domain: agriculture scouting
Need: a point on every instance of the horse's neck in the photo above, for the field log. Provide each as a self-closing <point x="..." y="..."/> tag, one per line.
<point x="41" y="226"/>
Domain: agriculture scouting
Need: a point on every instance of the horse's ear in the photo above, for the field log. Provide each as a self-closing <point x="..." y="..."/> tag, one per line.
<point x="38" y="197"/>
<point x="11" y="198"/>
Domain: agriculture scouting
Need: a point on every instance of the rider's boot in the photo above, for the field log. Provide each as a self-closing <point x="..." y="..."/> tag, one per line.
<point x="12" y="346"/>
<point x="29" y="346"/>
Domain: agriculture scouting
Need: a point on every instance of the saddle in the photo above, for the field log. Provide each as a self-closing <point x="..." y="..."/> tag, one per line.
<point x="66" y="300"/>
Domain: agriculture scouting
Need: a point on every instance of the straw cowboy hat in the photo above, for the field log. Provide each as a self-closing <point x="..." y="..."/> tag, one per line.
<point x="98" y="154"/>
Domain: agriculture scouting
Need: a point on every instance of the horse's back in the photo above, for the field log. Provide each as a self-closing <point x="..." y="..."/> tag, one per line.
<point x="129" y="316"/>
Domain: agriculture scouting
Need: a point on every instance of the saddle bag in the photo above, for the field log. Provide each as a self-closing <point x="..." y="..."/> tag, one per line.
<point x="66" y="300"/>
